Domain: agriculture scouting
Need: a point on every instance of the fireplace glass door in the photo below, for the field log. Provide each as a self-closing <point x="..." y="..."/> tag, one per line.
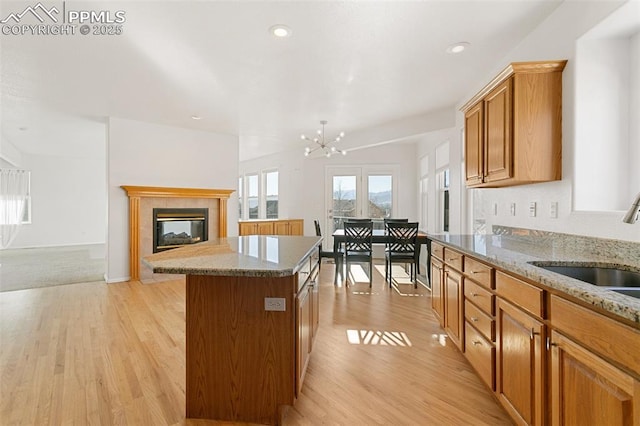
<point x="178" y="227"/>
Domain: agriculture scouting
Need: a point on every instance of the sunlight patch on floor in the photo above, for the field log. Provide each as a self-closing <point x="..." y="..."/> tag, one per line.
<point x="378" y="337"/>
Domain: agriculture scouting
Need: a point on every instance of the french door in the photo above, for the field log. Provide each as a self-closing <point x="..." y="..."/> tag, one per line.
<point x="365" y="191"/>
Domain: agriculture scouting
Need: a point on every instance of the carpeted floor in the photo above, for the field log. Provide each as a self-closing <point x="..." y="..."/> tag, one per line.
<point x="42" y="267"/>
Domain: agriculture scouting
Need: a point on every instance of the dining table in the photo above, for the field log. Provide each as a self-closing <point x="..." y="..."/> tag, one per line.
<point x="379" y="236"/>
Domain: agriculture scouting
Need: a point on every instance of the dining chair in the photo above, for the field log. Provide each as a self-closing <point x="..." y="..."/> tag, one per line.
<point x="329" y="254"/>
<point x="358" y="245"/>
<point x="401" y="248"/>
<point x="393" y="220"/>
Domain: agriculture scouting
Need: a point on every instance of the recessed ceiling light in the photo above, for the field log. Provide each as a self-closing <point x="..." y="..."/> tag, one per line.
<point x="280" y="31"/>
<point x="195" y="117"/>
<point x="458" y="47"/>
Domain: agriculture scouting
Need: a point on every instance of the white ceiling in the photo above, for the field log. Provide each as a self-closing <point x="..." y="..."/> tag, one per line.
<point x="355" y="64"/>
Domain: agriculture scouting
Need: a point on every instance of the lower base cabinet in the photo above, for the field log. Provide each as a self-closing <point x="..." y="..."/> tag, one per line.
<point x="520" y="364"/>
<point x="587" y="390"/>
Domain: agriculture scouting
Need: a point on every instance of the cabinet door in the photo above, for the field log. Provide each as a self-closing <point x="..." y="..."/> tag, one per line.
<point x="303" y="334"/>
<point x="265" y="228"/>
<point x="587" y="390"/>
<point x="498" y="145"/>
<point x="473" y="141"/>
<point x="437" y="290"/>
<point x="248" y="228"/>
<point x="454" y="308"/>
<point x="520" y="364"/>
<point x="281" y="227"/>
<point x="296" y="227"/>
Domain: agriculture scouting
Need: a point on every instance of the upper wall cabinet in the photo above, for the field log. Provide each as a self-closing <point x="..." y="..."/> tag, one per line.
<point x="513" y="127"/>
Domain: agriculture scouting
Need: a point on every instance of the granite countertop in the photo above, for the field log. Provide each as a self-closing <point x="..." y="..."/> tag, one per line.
<point x="248" y="256"/>
<point x="513" y="253"/>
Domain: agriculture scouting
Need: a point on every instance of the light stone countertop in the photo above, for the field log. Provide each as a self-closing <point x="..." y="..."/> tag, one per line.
<point x="513" y="253"/>
<point x="247" y="256"/>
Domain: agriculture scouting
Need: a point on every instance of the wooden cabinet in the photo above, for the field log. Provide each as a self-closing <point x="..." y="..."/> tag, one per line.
<point x="288" y="227"/>
<point x="549" y="360"/>
<point x="520" y="368"/>
<point x="595" y="368"/>
<point x="520" y="357"/>
<point x="588" y="390"/>
<point x="513" y="132"/>
<point x="271" y="227"/>
<point x="307" y="316"/>
<point x="454" y="307"/>
<point x="480" y="329"/>
<point x="437" y="289"/>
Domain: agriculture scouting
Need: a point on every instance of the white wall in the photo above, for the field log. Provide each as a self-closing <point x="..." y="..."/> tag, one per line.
<point x="428" y="145"/>
<point x="303" y="184"/>
<point x="68" y="201"/>
<point x="555" y="38"/>
<point x="147" y="154"/>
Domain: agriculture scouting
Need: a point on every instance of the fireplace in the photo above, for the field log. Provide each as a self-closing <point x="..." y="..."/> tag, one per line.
<point x="177" y="227"/>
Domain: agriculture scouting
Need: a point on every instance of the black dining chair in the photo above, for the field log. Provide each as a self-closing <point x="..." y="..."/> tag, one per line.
<point x="358" y="245"/>
<point x="401" y="248"/>
<point x="394" y="220"/>
<point x="329" y="254"/>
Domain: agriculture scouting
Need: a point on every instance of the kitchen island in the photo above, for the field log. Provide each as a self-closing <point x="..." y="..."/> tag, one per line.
<point x="251" y="314"/>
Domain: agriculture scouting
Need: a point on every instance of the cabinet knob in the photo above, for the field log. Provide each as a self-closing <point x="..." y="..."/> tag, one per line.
<point x="474" y="319"/>
<point x="477" y="342"/>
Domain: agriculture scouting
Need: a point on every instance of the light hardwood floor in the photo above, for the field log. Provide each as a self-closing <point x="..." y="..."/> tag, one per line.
<point x="114" y="354"/>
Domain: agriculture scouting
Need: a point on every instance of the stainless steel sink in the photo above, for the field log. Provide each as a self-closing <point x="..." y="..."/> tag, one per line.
<point x="614" y="279"/>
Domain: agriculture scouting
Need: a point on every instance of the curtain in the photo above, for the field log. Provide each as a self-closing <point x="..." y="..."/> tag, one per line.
<point x="14" y="187"/>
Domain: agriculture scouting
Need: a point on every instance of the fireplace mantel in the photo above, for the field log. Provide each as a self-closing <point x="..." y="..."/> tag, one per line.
<point x="136" y="193"/>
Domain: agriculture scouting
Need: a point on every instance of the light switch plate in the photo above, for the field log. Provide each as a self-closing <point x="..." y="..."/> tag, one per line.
<point x="553" y="210"/>
<point x="513" y="209"/>
<point x="275" y="304"/>
<point x="532" y="209"/>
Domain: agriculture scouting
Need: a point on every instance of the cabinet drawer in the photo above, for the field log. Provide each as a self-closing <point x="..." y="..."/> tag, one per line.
<point x="526" y="296"/>
<point x="453" y="258"/>
<point x="597" y="332"/>
<point x="481" y="355"/>
<point x="479" y="272"/>
<point x="480" y="296"/>
<point x="303" y="273"/>
<point x="480" y="320"/>
<point x="437" y="250"/>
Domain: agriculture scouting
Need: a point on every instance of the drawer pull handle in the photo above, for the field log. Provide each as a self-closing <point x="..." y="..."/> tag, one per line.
<point x="533" y="333"/>
<point x="550" y="344"/>
<point x="475" y="294"/>
<point x="474" y="319"/>
<point x="477" y="342"/>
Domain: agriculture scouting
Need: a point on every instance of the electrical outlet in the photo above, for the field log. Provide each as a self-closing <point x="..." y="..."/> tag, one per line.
<point x="513" y="209"/>
<point x="532" y="209"/>
<point x="553" y="210"/>
<point x="275" y="304"/>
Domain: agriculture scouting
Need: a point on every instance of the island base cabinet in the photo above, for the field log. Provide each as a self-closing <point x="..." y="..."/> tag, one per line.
<point x="587" y="390"/>
<point x="227" y="330"/>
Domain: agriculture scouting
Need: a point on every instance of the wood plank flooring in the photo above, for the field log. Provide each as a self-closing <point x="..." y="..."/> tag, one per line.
<point x="98" y="353"/>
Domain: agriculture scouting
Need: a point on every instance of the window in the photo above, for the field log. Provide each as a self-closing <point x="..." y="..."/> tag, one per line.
<point x="271" y="194"/>
<point x="258" y="195"/>
<point x="424" y="191"/>
<point x="252" y="196"/>
<point x="380" y="201"/>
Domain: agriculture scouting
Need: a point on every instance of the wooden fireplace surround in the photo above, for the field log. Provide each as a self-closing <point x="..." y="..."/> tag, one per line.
<point x="135" y="193"/>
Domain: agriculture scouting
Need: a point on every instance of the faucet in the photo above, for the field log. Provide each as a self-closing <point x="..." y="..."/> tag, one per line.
<point x="634" y="211"/>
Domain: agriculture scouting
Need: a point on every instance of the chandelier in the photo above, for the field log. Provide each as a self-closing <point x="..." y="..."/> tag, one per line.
<point x="319" y="143"/>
